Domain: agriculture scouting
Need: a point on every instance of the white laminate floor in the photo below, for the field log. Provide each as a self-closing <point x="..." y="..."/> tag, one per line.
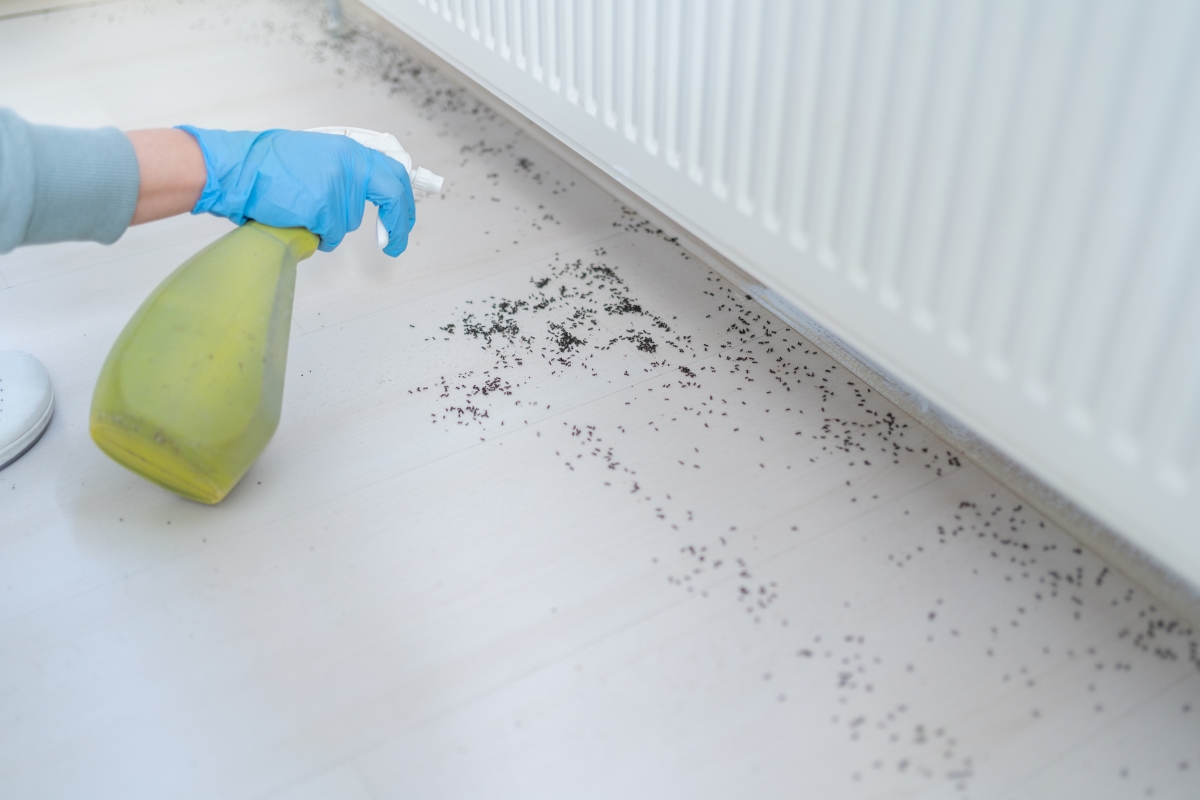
<point x="553" y="512"/>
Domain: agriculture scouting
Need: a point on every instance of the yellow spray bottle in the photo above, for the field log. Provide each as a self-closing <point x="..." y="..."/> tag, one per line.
<point x="191" y="392"/>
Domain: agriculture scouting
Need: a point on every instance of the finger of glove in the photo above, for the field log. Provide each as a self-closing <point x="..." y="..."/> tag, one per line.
<point x="268" y="212"/>
<point x="389" y="188"/>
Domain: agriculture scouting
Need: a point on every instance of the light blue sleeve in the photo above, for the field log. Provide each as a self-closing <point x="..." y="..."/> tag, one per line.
<point x="64" y="184"/>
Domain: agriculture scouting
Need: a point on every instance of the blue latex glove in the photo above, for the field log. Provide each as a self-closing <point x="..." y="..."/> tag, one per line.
<point x="309" y="180"/>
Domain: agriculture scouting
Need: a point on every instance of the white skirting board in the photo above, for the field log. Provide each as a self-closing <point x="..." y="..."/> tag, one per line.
<point x="992" y="202"/>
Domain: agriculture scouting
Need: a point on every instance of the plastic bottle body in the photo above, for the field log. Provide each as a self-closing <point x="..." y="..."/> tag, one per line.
<point x="191" y="391"/>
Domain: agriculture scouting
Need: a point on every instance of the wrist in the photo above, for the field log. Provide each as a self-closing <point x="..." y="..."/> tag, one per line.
<point x="172" y="173"/>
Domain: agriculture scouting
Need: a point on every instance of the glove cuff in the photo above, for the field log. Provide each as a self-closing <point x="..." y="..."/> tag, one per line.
<point x="225" y="152"/>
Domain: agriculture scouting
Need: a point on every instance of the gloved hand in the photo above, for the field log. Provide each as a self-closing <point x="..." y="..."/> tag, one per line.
<point x="299" y="179"/>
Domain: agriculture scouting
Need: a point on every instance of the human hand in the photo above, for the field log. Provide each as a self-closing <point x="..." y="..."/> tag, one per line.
<point x="300" y="179"/>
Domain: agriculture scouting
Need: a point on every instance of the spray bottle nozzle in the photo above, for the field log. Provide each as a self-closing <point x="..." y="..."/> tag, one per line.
<point x="425" y="181"/>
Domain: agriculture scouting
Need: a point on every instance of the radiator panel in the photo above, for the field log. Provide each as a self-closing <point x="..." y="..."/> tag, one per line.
<point x="998" y="202"/>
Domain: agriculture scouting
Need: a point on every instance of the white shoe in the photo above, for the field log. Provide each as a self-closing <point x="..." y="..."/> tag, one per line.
<point x="26" y="404"/>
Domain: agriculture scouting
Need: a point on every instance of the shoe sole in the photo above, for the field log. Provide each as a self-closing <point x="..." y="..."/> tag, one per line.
<point x="21" y="446"/>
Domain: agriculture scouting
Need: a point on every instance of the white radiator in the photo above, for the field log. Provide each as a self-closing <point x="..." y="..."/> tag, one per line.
<point x="998" y="202"/>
